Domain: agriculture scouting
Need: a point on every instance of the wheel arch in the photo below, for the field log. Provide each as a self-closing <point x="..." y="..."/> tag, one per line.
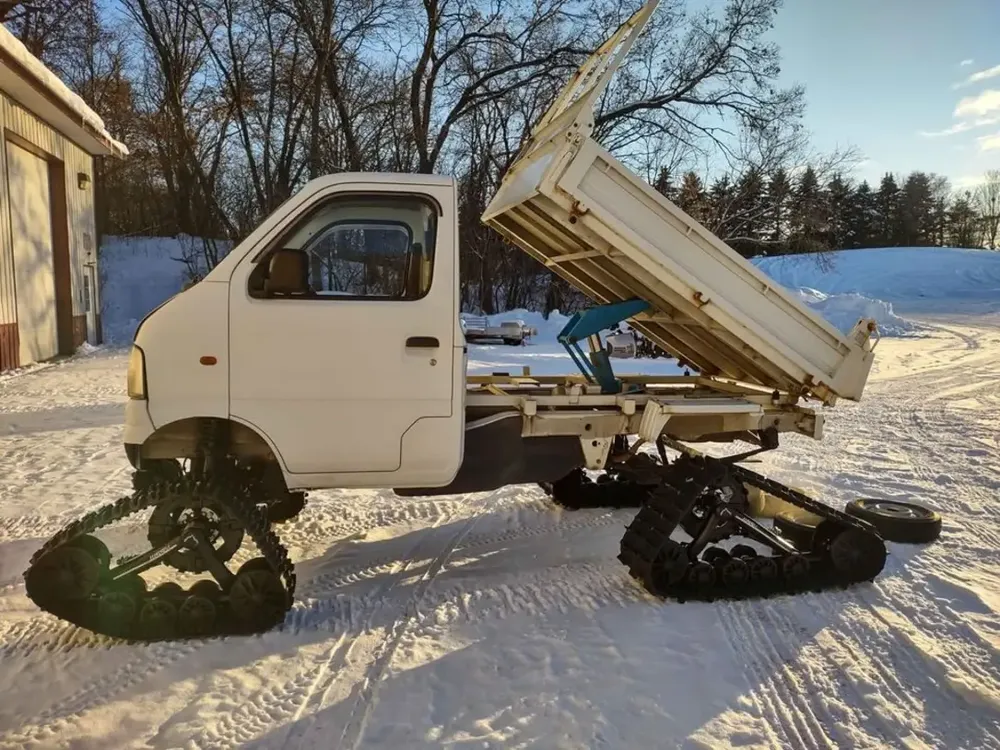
<point x="181" y="439"/>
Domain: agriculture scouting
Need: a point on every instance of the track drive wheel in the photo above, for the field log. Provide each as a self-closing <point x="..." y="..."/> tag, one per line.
<point x="906" y="523"/>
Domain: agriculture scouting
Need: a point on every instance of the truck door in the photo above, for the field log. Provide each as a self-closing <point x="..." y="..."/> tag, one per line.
<point x="345" y="347"/>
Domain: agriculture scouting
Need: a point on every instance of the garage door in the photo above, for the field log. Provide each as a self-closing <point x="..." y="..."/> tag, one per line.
<point x="34" y="272"/>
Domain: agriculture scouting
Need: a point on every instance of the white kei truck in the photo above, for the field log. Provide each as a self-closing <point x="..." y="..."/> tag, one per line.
<point x="246" y="390"/>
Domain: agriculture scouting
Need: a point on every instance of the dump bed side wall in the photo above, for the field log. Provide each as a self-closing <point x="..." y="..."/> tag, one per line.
<point x="664" y="241"/>
<point x="574" y="207"/>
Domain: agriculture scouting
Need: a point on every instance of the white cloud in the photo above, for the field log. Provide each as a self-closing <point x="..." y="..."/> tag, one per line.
<point x="958" y="127"/>
<point x="979" y="77"/>
<point x="989" y="142"/>
<point x="961" y="127"/>
<point x="983" y="104"/>
<point x="966" y="63"/>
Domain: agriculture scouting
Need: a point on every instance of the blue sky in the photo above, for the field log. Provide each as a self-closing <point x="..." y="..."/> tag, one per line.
<point x="914" y="84"/>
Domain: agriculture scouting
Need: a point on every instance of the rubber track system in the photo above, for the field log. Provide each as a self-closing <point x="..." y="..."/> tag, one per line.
<point x="71" y="576"/>
<point x="844" y="551"/>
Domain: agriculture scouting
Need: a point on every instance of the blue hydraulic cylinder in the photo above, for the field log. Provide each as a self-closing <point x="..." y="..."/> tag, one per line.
<point x="597" y="369"/>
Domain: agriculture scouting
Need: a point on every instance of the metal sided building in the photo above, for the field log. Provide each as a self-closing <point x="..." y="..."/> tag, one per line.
<point x="49" y="297"/>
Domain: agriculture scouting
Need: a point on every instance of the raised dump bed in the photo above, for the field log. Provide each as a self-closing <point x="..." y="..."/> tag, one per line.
<point x="570" y="204"/>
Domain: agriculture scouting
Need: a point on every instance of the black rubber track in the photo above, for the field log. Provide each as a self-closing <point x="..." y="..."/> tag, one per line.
<point x="841" y="552"/>
<point x="140" y="613"/>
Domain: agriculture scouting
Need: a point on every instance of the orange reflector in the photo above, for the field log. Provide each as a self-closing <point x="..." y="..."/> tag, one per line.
<point x="208" y="360"/>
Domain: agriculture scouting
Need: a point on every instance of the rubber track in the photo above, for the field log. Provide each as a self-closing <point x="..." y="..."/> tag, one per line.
<point x="236" y="502"/>
<point x="664" y="566"/>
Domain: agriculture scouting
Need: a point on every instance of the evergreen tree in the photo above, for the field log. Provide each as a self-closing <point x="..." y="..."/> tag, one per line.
<point x="809" y="212"/>
<point x="861" y="217"/>
<point x="664" y="184"/>
<point x="964" y="224"/>
<point x="915" y="206"/>
<point x="887" y="213"/>
<point x="838" y="201"/>
<point x="779" y="196"/>
<point x="720" y="201"/>
<point x="691" y="198"/>
<point x="748" y="214"/>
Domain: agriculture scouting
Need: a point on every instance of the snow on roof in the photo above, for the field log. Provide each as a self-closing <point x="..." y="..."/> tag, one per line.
<point x="53" y="85"/>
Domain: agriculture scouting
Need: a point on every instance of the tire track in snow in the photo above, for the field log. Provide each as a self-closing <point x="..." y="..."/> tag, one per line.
<point x="786" y="708"/>
<point x="441" y="606"/>
<point x="368" y="688"/>
<point x="290" y="701"/>
<point x="354" y="572"/>
<point x="141" y="665"/>
<point x="946" y="721"/>
<point x="849" y="658"/>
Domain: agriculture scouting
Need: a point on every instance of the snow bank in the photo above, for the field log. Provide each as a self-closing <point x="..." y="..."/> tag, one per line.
<point x="912" y="279"/>
<point x="845" y="310"/>
<point x="137" y="275"/>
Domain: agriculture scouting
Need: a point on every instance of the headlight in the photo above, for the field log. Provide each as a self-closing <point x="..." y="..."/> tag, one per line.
<point x="136" y="374"/>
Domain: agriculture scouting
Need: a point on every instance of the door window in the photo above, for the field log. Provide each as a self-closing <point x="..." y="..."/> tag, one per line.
<point x="353" y="247"/>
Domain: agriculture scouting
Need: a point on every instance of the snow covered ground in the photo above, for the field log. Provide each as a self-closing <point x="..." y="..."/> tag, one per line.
<point x="497" y="620"/>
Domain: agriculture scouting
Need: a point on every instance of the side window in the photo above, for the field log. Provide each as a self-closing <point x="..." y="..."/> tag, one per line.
<point x="353" y="247"/>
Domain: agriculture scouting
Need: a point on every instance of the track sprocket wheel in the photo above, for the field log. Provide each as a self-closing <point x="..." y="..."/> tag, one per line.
<point x="180" y="507"/>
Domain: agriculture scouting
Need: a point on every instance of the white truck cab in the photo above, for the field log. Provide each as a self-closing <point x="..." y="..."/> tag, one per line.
<point x="260" y="341"/>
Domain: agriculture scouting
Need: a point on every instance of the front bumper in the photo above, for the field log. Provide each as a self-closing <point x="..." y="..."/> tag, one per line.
<point x="138" y="428"/>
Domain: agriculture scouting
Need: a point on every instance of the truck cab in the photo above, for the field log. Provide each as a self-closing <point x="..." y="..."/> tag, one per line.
<point x="266" y="343"/>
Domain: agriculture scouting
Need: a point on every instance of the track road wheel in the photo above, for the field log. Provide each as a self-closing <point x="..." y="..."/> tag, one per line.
<point x="158" y="618"/>
<point x="95" y="547"/>
<point x="206" y="588"/>
<point x="668" y="568"/>
<point x="196" y="615"/>
<point x="116" y="612"/>
<point x="906" y="523"/>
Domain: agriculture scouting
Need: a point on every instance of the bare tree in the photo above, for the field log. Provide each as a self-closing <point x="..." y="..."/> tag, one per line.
<point x="473" y="54"/>
<point x="986" y="201"/>
<point x="704" y="80"/>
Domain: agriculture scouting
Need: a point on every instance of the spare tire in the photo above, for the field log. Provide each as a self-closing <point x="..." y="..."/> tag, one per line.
<point x="905" y="523"/>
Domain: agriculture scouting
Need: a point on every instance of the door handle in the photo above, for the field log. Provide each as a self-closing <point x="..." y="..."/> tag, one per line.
<point x="422" y="342"/>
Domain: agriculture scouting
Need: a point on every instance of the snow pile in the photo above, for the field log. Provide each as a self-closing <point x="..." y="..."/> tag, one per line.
<point x="845" y="310"/>
<point x="137" y="275"/>
<point x="913" y="279"/>
<point x="13" y="46"/>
